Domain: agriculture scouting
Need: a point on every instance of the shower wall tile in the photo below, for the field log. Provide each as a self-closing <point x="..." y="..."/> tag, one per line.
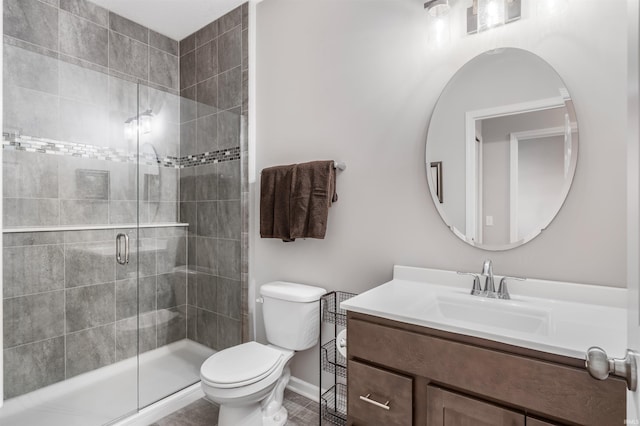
<point x="32" y="269"/>
<point x="92" y="236"/>
<point x="90" y="349"/>
<point x="172" y="324"/>
<point x="245" y="50"/>
<point x="230" y="89"/>
<point x="128" y="56"/>
<point x="228" y="298"/>
<point x="83" y="39"/>
<point x="164" y="69"/>
<point x="163" y="212"/>
<point x="207" y="219"/>
<point x="164" y="43"/>
<point x="87" y="10"/>
<point x="229" y="179"/>
<point x="207" y="328"/>
<point x="30" y="70"/>
<point x="188" y="140"/>
<point x="31" y="239"/>
<point x="207" y="133"/>
<point x="230" y="20"/>
<point x="245" y="15"/>
<point x="83" y="122"/>
<point x="29" y="176"/>
<point x="206" y="57"/>
<point x="230" y="49"/>
<point x="90" y="306"/>
<point x="245" y="95"/>
<point x="129" y="28"/>
<point x="192" y="318"/>
<point x="221" y="90"/>
<point x="172" y="290"/>
<point x="33" y="366"/>
<point x="123" y="212"/>
<point x="229" y="219"/>
<point x="30" y="212"/>
<point x="206" y="185"/>
<point x="89" y="263"/>
<point x="188" y="44"/>
<point x="33" y="113"/>
<point x="171" y="254"/>
<point x="229" y="128"/>
<point x="206" y="33"/>
<point x="84" y="84"/>
<point x="229" y="332"/>
<point x="32" y="318"/>
<point x="207" y="291"/>
<point x="206" y="254"/>
<point x="31" y="21"/>
<point x="128" y="291"/>
<point x="129" y="338"/>
<point x="83" y="212"/>
<point x="228" y="258"/>
<point x="188" y="106"/>
<point x="207" y="97"/>
<point x="188" y="70"/>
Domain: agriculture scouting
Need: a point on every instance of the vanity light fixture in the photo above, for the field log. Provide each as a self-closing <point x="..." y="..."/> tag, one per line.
<point x="486" y="14"/>
<point x="437" y="8"/>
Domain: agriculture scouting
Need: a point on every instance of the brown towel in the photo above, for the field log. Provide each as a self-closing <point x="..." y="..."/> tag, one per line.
<point x="312" y="192"/>
<point x="275" y="190"/>
<point x="295" y="200"/>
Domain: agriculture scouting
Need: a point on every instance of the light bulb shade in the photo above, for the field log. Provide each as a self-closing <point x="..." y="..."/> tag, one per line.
<point x="437" y="8"/>
<point x="491" y="13"/>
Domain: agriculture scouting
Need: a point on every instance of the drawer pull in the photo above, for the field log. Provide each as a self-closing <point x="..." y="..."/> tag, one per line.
<point x="376" y="403"/>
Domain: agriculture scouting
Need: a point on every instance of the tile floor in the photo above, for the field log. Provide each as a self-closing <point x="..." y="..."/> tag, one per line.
<point x="302" y="412"/>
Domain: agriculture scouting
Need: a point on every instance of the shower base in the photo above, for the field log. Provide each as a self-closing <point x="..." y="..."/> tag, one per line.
<point x="105" y="395"/>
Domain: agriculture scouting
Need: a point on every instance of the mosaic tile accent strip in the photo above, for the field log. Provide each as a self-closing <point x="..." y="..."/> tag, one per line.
<point x="53" y="147"/>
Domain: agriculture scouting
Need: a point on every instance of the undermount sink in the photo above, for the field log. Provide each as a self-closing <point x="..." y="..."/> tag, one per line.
<point x="550" y="316"/>
<point x="491" y="313"/>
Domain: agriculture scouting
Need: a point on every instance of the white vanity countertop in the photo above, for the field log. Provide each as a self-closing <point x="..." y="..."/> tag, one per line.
<point x="554" y="317"/>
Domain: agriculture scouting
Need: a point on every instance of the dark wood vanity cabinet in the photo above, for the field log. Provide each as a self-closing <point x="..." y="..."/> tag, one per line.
<point x="401" y="374"/>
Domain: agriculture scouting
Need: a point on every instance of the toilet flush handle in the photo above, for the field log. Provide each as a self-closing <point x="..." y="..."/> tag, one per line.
<point x="260" y="300"/>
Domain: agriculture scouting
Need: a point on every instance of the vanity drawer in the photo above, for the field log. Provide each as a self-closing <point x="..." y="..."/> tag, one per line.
<point x="371" y="389"/>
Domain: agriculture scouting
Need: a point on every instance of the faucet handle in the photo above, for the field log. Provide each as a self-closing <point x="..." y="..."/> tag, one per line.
<point x="503" y="291"/>
<point x="477" y="289"/>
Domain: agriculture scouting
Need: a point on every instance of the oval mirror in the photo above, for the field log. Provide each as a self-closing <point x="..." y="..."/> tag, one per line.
<point x="502" y="148"/>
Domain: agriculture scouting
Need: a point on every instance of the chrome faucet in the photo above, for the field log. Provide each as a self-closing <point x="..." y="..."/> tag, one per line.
<point x="503" y="291"/>
<point x="476" y="290"/>
<point x="489" y="289"/>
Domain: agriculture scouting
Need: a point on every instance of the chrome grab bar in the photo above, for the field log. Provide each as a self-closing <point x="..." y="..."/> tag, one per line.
<point x="119" y="258"/>
<point x="367" y="398"/>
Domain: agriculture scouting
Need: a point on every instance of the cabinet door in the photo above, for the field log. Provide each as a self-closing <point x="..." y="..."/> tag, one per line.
<point x="446" y="408"/>
<point x="378" y="397"/>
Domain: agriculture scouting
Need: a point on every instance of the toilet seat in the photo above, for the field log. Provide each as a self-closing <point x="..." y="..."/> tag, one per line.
<point x="241" y="365"/>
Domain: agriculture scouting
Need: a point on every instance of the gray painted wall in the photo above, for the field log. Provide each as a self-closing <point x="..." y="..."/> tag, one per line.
<point x="357" y="81"/>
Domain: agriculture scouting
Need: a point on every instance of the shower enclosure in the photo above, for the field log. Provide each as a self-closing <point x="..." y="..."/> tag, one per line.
<point x="122" y="227"/>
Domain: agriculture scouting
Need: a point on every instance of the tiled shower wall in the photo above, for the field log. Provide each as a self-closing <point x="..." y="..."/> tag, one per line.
<point x="70" y="74"/>
<point x="213" y="75"/>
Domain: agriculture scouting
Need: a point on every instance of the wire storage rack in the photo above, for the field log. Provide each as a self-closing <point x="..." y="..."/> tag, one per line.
<point x="333" y="402"/>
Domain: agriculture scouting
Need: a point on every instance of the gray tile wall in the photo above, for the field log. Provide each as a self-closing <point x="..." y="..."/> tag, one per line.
<point x="213" y="83"/>
<point x="69" y="308"/>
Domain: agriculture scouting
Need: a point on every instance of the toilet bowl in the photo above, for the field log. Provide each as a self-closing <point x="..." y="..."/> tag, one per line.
<point x="248" y="380"/>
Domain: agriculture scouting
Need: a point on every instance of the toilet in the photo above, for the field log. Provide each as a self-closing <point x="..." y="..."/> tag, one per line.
<point x="248" y="380"/>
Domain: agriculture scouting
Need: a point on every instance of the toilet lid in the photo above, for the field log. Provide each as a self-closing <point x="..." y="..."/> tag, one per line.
<point x="240" y="365"/>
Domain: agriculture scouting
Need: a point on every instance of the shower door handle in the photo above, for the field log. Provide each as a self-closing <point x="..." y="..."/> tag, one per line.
<point x="120" y="258"/>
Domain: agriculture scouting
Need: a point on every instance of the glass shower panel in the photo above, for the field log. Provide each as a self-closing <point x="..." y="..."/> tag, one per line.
<point x="70" y="172"/>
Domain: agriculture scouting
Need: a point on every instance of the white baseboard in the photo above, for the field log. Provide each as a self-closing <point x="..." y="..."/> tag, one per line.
<point x="303" y="388"/>
<point x="164" y="407"/>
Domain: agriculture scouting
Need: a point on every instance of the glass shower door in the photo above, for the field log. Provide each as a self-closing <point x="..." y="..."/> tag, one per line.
<point x="70" y="186"/>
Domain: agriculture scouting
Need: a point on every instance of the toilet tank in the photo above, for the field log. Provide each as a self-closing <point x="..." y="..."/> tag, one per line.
<point x="291" y="314"/>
